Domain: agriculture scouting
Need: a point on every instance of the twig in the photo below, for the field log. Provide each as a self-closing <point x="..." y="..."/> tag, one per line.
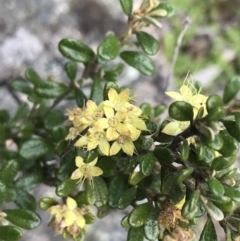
<point x="178" y="45"/>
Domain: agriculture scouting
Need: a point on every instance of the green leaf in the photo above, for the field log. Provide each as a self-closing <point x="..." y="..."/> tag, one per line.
<point x="181" y="111"/>
<point x="135" y="234"/>
<point x="184" y="174"/>
<point x="4" y="116"/>
<point x="147" y="163"/>
<point x="184" y="150"/>
<point x="127" y="6"/>
<point x="139" y="61"/>
<point x="230" y="147"/>
<point x="33" y="76"/>
<point x="118" y="185"/>
<point x="81" y="98"/>
<point x="124" y="222"/>
<point x="35" y="98"/>
<point x="215" y="115"/>
<point x="108" y="165"/>
<point x="76" y="50"/>
<point x="22" y="112"/>
<point x="23" y="218"/>
<point x="231" y="89"/>
<point x="209" y="232"/>
<point x="3" y="192"/>
<point x="25" y="200"/>
<point x="66" y="187"/>
<point x="109" y="49"/>
<point x="164" y="155"/>
<point x="27" y="130"/>
<point x="50" y="89"/>
<point x="232" y="192"/>
<point x="46" y="203"/>
<point x="9" y="171"/>
<point x="221" y="163"/>
<point x="21" y="86"/>
<point x="10" y="233"/>
<point x="11" y="194"/>
<point x="30" y="181"/>
<point x="215" y="144"/>
<point x="148" y="43"/>
<point x="146" y="109"/>
<point x="103" y="211"/>
<point x="213" y="102"/>
<point x="127" y="198"/>
<point x="140" y="214"/>
<point x="97" y="91"/>
<point x="212" y="210"/>
<point x="233" y="129"/>
<point x="151" y="229"/>
<point x="67" y="166"/>
<point x="71" y="69"/>
<point x="89" y="218"/>
<point x="215" y="186"/>
<point x="191" y="206"/>
<point x="54" y="118"/>
<point x="97" y="192"/>
<point x="34" y="148"/>
<point x="158" y="110"/>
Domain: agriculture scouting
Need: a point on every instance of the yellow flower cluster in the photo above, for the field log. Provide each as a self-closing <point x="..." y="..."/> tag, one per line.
<point x="189" y="94"/>
<point x="67" y="218"/>
<point x="112" y="125"/>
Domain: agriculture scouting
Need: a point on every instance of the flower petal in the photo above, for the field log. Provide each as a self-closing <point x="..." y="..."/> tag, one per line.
<point x="115" y="148"/>
<point x="104" y="147"/>
<point x="77" y="174"/>
<point x="81" y="142"/>
<point x="69" y="218"/>
<point x="79" y="161"/>
<point x="172" y="128"/>
<point x="80" y="221"/>
<point x="96" y="171"/>
<point x="112" y="134"/>
<point x="71" y="203"/>
<point x="128" y="148"/>
<point x="174" y="95"/>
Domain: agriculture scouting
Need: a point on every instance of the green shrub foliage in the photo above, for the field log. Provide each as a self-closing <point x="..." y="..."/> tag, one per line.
<point x="112" y="154"/>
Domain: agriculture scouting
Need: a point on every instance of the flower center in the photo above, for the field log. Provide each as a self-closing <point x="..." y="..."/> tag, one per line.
<point x="113" y="122"/>
<point x="121" y="140"/>
<point x="98" y="136"/>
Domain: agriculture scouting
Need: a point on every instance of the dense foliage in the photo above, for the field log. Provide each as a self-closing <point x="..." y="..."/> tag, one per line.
<point x="112" y="154"/>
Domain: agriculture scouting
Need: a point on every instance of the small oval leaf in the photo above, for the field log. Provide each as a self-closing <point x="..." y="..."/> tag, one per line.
<point x="76" y="50"/>
<point x="139" y="61"/>
<point x="181" y="111"/>
<point x="148" y="43"/>
<point x="23" y="218"/>
<point x="10" y="233"/>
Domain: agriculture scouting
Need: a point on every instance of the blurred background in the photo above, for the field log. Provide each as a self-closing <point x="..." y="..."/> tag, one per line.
<point x="30" y="31"/>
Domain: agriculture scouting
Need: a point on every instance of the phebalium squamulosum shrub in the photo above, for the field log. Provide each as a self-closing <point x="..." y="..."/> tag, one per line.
<point x="109" y="153"/>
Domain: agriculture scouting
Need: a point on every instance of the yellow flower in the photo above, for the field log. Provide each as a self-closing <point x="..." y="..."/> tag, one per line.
<point x="124" y="142"/>
<point x="68" y="217"/>
<point x="117" y="101"/>
<point x="194" y="98"/>
<point x="92" y="113"/>
<point x="73" y="133"/>
<point x="176" y="127"/>
<point x="86" y="170"/>
<point x="96" y="136"/>
<point x="3" y="221"/>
